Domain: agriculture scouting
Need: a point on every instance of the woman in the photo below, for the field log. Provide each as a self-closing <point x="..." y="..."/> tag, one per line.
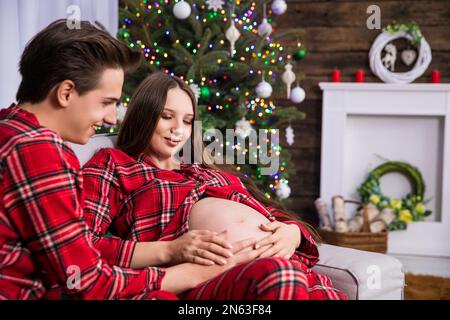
<point x="172" y="212"/>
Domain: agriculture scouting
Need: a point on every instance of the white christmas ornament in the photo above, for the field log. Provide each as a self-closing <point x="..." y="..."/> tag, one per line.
<point x="265" y="28"/>
<point x="290" y="135"/>
<point x="232" y="35"/>
<point x="121" y="111"/>
<point x="279" y="7"/>
<point x="182" y="10"/>
<point x="408" y="56"/>
<point x="195" y="89"/>
<point x="243" y="128"/>
<point x="288" y="78"/>
<point x="298" y="94"/>
<point x="390" y="56"/>
<point x="283" y="191"/>
<point x="264" y="89"/>
<point x="214" y="5"/>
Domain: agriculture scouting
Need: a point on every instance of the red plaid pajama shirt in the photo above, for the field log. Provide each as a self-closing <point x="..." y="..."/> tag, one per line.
<point x="140" y="202"/>
<point x="43" y="237"/>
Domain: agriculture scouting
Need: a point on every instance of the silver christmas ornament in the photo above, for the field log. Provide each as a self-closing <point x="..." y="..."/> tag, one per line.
<point x="264" y="90"/>
<point x="290" y="135"/>
<point x="265" y="28"/>
<point x="243" y="128"/>
<point x="182" y="10"/>
<point x="288" y="78"/>
<point x="298" y="94"/>
<point x="279" y="7"/>
<point x="283" y="191"/>
<point x="232" y="35"/>
<point x="214" y="5"/>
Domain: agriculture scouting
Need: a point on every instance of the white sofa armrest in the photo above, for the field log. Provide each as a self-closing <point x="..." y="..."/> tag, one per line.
<point x="362" y="275"/>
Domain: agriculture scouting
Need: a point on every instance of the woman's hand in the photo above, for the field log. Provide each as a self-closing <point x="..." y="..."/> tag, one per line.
<point x="201" y="247"/>
<point x="186" y="276"/>
<point x="283" y="241"/>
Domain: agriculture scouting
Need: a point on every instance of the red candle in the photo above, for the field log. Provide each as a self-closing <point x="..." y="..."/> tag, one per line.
<point x="359" y="75"/>
<point x="336" y="75"/>
<point x="436" y="76"/>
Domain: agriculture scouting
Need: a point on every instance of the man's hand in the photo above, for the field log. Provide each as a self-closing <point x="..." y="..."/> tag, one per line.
<point x="243" y="251"/>
<point x="201" y="247"/>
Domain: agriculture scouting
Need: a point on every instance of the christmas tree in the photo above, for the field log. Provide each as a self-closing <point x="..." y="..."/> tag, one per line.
<point x="228" y="52"/>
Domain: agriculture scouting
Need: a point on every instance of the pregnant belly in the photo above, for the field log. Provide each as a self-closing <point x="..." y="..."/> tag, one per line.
<point x="240" y="220"/>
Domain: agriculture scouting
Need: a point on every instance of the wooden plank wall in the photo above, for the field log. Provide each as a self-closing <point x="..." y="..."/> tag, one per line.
<point x="336" y="36"/>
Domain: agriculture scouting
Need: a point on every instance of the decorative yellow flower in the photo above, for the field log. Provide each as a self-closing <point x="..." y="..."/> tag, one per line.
<point x="420" y="208"/>
<point x="375" y="199"/>
<point x="405" y="216"/>
<point x="396" y="203"/>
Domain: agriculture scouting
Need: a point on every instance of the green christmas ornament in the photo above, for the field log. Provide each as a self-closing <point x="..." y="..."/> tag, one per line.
<point x="123" y="33"/>
<point x="205" y="93"/>
<point x="299" y="55"/>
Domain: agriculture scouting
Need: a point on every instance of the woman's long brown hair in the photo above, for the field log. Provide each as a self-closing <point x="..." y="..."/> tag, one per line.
<point x="142" y="116"/>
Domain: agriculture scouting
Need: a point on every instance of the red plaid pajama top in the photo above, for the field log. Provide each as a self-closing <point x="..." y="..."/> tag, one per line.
<point x="43" y="237"/>
<point x="113" y="180"/>
<point x="141" y="202"/>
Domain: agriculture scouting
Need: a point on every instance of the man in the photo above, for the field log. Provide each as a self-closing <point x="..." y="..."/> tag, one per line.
<point x="71" y="82"/>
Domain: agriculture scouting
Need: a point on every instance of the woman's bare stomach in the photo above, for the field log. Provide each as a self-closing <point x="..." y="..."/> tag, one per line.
<point x="215" y="214"/>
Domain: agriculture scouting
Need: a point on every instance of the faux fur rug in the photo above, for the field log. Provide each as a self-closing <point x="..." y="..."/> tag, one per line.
<point x="421" y="287"/>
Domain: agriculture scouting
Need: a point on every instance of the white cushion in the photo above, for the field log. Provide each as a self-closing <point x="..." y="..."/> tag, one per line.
<point x="362" y="275"/>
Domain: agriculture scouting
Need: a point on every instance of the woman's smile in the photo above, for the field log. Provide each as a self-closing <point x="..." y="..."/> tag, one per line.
<point x="172" y="143"/>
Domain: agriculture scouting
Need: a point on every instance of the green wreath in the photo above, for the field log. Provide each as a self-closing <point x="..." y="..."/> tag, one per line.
<point x="411" y="28"/>
<point x="408" y="209"/>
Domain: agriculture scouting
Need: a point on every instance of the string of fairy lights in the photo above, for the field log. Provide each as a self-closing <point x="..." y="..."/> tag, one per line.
<point x="157" y="55"/>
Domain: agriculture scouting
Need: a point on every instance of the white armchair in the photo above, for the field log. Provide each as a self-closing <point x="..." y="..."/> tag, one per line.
<point x="362" y="275"/>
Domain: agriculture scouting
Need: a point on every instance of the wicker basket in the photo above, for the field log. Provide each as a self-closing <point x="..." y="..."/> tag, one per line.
<point x="368" y="241"/>
<point x="375" y="242"/>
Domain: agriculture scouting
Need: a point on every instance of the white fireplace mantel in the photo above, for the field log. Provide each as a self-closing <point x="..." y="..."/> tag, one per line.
<point x="332" y="86"/>
<point x="364" y="124"/>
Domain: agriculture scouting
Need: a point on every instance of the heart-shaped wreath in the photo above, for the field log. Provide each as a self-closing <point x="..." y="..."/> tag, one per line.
<point x="408" y="209"/>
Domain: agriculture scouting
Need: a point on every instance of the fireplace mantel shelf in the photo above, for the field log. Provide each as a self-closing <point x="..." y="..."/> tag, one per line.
<point x="414" y="87"/>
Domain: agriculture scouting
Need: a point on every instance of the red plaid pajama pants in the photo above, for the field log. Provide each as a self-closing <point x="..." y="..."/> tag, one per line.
<point x="266" y="279"/>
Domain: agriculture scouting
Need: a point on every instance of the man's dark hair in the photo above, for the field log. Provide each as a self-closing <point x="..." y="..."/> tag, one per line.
<point x="60" y="53"/>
